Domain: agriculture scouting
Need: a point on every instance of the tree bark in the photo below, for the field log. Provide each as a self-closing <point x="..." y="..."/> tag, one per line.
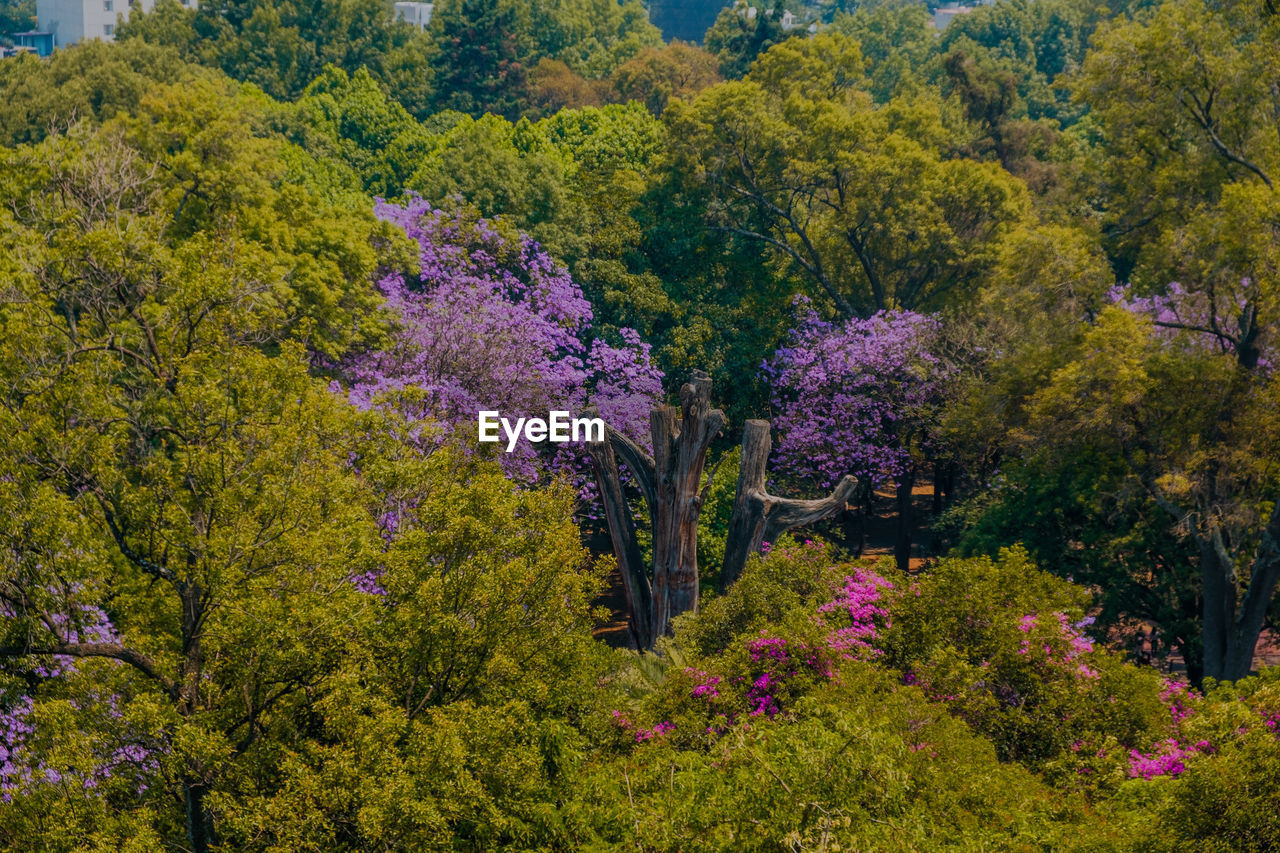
<point x="1231" y="627"/>
<point x="902" y="542"/>
<point x="671" y="483"/>
<point x="679" y="456"/>
<point x="622" y="532"/>
<point x="760" y="517"/>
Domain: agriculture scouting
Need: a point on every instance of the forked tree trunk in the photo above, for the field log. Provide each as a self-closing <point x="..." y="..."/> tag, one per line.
<point x="671" y="482"/>
<point x="622" y="532"/>
<point x="759" y="517"/>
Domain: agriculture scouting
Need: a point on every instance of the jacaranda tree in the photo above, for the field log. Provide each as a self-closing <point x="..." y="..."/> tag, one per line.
<point x="859" y="397"/>
<point x="490" y="322"/>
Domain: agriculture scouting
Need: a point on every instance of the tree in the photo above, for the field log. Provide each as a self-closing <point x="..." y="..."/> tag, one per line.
<point x="671" y="484"/>
<point x="1199" y="208"/>
<point x="282" y="47"/>
<point x="349" y="119"/>
<point x="160" y="412"/>
<point x="857" y="200"/>
<point x="592" y="37"/>
<point x="17" y="17"/>
<point x="90" y="80"/>
<point x="897" y="44"/>
<point x="860" y="398"/>
<point x="485" y="55"/>
<point x="1181" y="101"/>
<point x="741" y="33"/>
<point x="655" y="76"/>
<point x="556" y="86"/>
<point x="492" y="323"/>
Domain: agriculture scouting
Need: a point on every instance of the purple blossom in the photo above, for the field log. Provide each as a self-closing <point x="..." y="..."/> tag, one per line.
<point x="1199" y="321"/>
<point x="493" y="323"/>
<point x="853" y="397"/>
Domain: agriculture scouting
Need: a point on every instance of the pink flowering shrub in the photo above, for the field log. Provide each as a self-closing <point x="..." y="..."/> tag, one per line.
<point x="813" y="675"/>
<point x="1219" y="768"/>
<point x="789" y="625"/>
<point x="1006" y="648"/>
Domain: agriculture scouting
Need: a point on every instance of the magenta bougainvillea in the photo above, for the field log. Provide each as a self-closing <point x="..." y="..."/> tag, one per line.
<point x="859" y="601"/>
<point x="853" y="397"/>
<point x="770" y="670"/>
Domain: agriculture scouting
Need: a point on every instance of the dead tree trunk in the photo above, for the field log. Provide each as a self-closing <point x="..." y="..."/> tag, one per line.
<point x="671" y="483"/>
<point x="622" y="532"/>
<point x="760" y="517"/>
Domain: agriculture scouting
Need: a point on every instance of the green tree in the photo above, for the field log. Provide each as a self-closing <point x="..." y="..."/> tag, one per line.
<point x="349" y="119"/>
<point x="282" y="47"/>
<point x="655" y="76"/>
<point x="897" y="45"/>
<point x="486" y="53"/>
<point x="741" y="33"/>
<point x="90" y="80"/>
<point x="159" y="404"/>
<point x="17" y="16"/>
<point x="1188" y="167"/>
<point x="857" y="199"/>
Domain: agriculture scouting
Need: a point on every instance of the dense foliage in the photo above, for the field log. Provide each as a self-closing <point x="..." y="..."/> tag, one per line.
<point x="263" y="263"/>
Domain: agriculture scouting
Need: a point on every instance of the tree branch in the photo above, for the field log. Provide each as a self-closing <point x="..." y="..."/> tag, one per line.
<point x="114" y="651"/>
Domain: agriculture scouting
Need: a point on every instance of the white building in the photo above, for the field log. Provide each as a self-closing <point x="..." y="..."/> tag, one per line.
<point x="944" y="15"/>
<point x="416" y="14"/>
<point x="71" y="21"/>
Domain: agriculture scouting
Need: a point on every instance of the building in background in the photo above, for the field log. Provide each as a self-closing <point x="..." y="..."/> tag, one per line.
<point x="416" y="14"/>
<point x="71" y="21"/>
<point x="944" y="15"/>
<point x="41" y="44"/>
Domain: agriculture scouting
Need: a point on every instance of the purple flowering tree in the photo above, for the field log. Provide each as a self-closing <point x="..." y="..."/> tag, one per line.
<point x="22" y="770"/>
<point x="491" y="322"/>
<point x="1206" y="321"/>
<point x="859" y="397"/>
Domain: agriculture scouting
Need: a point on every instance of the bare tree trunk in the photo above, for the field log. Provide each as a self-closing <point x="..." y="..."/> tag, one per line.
<point x="902" y="544"/>
<point x="760" y="517"/>
<point x="671" y="483"/>
<point x="622" y="532"/>
<point x="679" y="455"/>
